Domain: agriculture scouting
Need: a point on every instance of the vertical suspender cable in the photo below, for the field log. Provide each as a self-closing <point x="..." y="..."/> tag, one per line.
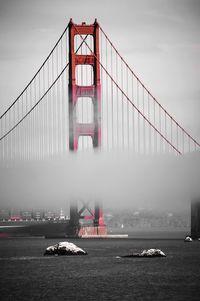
<point x="9" y="138"/>
<point x="43" y="105"/>
<point x="48" y="114"/>
<point x="189" y="143"/>
<point x="52" y="111"/>
<point x="34" y="123"/>
<point x="138" y="116"/>
<point x="144" y="132"/>
<point x="6" y="125"/>
<point x="26" y="122"/>
<point x="31" y="125"/>
<point x="1" y="133"/>
<point x="117" y="100"/>
<point x="107" y="107"/>
<point x="128" y="108"/>
<point x="57" y="105"/>
<point x="161" y="141"/>
<point x="171" y="132"/>
<point x="154" y="122"/>
<point x="6" y="155"/>
<point x="18" y="138"/>
<point x="3" y="142"/>
<point x="112" y="113"/>
<point x="166" y="145"/>
<point x="22" y="128"/>
<point x="123" y="142"/>
<point x="61" y="99"/>
<point x="133" y="118"/>
<point x="13" y="140"/>
<point x="195" y="146"/>
<point x="149" y="144"/>
<point x="177" y="138"/>
<point x="14" y="122"/>
<point x="39" y="119"/>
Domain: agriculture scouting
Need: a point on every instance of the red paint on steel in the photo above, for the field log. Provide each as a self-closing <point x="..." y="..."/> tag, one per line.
<point x="93" y="129"/>
<point x="93" y="231"/>
<point x="75" y="91"/>
<point x="129" y="100"/>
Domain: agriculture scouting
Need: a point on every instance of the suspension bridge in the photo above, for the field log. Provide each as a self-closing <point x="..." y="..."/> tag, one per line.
<point x="86" y="97"/>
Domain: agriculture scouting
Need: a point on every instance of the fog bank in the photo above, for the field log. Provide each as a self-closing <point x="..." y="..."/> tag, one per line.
<point x="120" y="180"/>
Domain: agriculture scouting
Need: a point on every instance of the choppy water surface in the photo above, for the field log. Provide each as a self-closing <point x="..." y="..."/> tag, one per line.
<point x="27" y="275"/>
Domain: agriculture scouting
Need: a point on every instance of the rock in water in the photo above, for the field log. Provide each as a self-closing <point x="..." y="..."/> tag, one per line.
<point x="148" y="253"/>
<point x="64" y="248"/>
<point x="152" y="253"/>
<point x="188" y="238"/>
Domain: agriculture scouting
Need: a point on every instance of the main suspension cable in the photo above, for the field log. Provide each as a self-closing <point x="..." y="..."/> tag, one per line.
<point x="144" y="87"/>
<point x="54" y="82"/>
<point x="35" y="73"/>
<point x="35" y="105"/>
<point x="129" y="100"/>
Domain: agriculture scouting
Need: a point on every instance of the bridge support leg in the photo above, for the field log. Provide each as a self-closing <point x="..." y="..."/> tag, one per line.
<point x="97" y="228"/>
<point x="74" y="225"/>
<point x="195" y="218"/>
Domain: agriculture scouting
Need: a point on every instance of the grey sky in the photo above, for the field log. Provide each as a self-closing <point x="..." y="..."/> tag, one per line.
<point x="159" y="39"/>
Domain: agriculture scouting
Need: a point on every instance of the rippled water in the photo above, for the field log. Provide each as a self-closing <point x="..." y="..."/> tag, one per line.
<point x="28" y="275"/>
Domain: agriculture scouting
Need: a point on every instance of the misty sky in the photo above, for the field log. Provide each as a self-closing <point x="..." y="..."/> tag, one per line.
<point x="159" y="39"/>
